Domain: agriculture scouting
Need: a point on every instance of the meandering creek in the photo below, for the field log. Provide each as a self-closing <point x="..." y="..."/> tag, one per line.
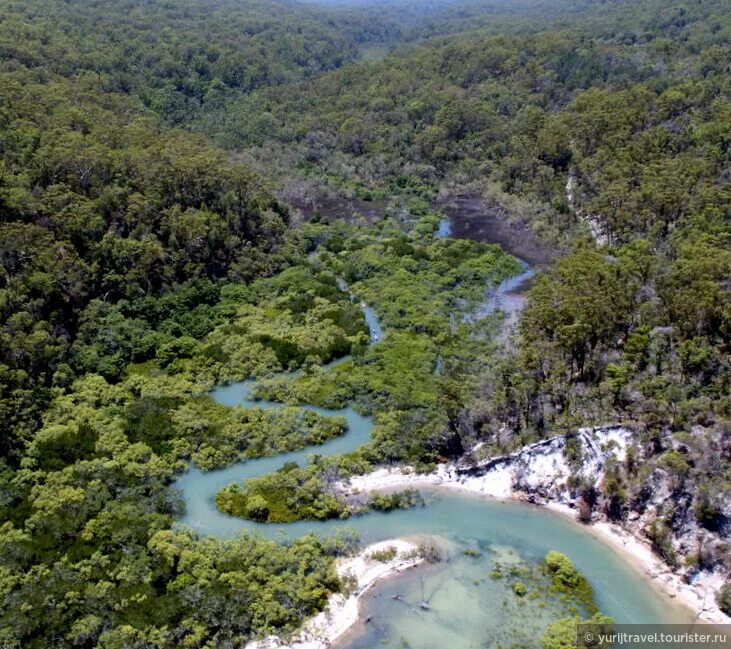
<point x="468" y="609"/>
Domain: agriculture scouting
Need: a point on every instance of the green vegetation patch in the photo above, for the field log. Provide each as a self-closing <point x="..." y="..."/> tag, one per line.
<point x="289" y="494"/>
<point x="566" y="579"/>
<point x="405" y="499"/>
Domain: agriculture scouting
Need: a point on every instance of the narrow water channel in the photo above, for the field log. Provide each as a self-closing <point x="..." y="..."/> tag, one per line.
<point x="468" y="608"/>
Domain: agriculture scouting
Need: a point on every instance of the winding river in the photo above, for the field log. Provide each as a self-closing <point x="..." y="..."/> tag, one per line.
<point x="468" y="609"/>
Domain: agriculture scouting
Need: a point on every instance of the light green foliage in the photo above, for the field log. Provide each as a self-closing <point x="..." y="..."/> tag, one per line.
<point x="97" y="536"/>
<point x="291" y="493"/>
<point x="250" y="433"/>
<point x="565" y="578"/>
<point x="659" y="534"/>
<point x="675" y="462"/>
<point x="419" y="287"/>
<point x="416" y="285"/>
<point x="562" y="634"/>
<point x="294" y="493"/>
<point x="555" y="582"/>
<point x="396" y="500"/>
<point x="385" y="555"/>
<point x="300" y="318"/>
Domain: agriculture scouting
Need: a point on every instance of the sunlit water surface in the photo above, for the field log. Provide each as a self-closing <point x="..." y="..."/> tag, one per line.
<point x="467" y="608"/>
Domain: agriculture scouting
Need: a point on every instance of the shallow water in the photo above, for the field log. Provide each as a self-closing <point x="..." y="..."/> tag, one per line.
<point x="471" y="218"/>
<point x="508" y="297"/>
<point x="468" y="609"/>
<point x="199" y="488"/>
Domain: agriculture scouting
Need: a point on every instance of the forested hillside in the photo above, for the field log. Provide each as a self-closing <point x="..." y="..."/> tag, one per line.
<point x="103" y="210"/>
<point x="181" y="58"/>
<point x="609" y="134"/>
<point x="616" y="130"/>
<point x="116" y="234"/>
<point x="193" y="61"/>
<point x="505" y="108"/>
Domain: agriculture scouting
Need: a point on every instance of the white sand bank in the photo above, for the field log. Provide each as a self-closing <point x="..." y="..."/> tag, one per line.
<point x="699" y="596"/>
<point x="342" y="612"/>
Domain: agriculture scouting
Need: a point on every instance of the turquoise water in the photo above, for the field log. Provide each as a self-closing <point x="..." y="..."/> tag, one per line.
<point x="199" y="488"/>
<point x="467" y="608"/>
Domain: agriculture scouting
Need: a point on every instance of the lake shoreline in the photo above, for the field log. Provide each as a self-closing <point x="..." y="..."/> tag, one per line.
<point x="697" y="598"/>
<point x="471" y="216"/>
<point x="342" y="612"/>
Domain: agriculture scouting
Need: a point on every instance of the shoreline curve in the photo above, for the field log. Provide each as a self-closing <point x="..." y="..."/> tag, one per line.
<point x="697" y="598"/>
<point x="342" y="612"/>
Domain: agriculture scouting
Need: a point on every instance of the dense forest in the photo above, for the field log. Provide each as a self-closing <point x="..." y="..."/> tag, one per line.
<point x="154" y="161"/>
<point x="608" y="135"/>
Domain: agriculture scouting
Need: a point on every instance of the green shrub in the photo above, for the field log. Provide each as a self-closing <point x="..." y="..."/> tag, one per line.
<point x="385" y="555"/>
<point x="397" y="500"/>
<point x="567" y="579"/>
<point x="723" y="597"/>
<point x="287" y="495"/>
<point x="659" y="535"/>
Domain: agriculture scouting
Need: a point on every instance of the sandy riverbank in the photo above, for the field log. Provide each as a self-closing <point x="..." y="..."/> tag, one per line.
<point x="698" y="597"/>
<point x="342" y="611"/>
